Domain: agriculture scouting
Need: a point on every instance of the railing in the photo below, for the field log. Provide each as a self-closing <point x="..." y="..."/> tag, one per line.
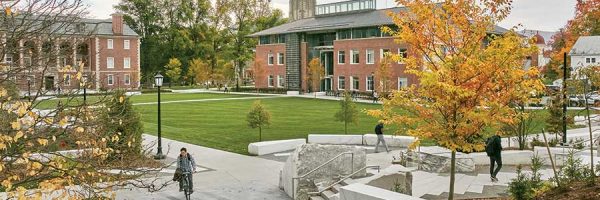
<point x="319" y="167"/>
<point x="343" y="179"/>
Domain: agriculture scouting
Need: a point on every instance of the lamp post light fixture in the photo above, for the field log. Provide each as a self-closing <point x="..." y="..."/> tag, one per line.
<point x="158" y="81"/>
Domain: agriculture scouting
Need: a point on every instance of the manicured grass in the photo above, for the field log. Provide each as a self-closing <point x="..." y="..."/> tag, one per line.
<point x="144" y="98"/>
<point x="222" y="125"/>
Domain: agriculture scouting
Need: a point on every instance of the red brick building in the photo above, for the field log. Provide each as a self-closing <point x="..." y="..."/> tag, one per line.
<point x="346" y="36"/>
<point x="108" y="50"/>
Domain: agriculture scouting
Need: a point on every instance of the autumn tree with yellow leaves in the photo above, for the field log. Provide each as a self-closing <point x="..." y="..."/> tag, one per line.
<point x="468" y="73"/>
<point x="46" y="152"/>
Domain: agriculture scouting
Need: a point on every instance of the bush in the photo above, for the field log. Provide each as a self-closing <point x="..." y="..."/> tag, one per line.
<point x="574" y="170"/>
<point x="260" y="90"/>
<point x="526" y="186"/>
<point x="122" y="126"/>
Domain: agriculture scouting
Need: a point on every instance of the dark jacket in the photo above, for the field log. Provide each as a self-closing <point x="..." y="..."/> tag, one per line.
<point x="379" y="129"/>
<point x="496" y="145"/>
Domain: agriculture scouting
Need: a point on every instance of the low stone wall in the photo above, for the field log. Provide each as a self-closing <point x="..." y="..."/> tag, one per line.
<point x="269" y="147"/>
<point x="438" y="159"/>
<point x="392" y="141"/>
<point x="335" y="139"/>
<point x="359" y="191"/>
<point x="309" y="156"/>
<point x="510" y="157"/>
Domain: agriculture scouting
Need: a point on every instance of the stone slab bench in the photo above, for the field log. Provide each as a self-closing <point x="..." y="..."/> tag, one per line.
<point x="392" y="141"/>
<point x="510" y="157"/>
<point x="269" y="147"/>
<point x="335" y="139"/>
<point x="359" y="191"/>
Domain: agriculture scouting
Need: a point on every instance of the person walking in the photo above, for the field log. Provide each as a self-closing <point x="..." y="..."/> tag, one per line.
<point x="186" y="163"/>
<point x="380" y="138"/>
<point x="493" y="148"/>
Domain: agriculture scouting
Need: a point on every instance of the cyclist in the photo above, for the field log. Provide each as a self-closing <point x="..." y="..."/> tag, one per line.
<point x="186" y="163"/>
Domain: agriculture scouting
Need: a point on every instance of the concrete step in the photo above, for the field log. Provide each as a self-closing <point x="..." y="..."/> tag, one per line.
<point x="348" y="181"/>
<point x="316" y="198"/>
<point x="461" y="186"/>
<point x="329" y="195"/>
<point x="336" y="188"/>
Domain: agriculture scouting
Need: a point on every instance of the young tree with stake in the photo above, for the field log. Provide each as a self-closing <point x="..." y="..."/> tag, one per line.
<point x="258" y="117"/>
<point x="348" y="112"/>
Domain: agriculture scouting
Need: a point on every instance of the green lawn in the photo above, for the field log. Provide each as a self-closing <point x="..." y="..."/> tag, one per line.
<point x="144" y="98"/>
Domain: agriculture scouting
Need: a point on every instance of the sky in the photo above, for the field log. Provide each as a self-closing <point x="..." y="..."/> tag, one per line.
<point x="545" y="15"/>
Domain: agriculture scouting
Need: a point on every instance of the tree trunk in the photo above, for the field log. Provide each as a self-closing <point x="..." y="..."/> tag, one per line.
<point x="452" y="173"/>
<point x="345" y="128"/>
<point x="260" y="134"/>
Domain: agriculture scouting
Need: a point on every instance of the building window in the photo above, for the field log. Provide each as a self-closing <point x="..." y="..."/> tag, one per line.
<point x="67" y="80"/>
<point x="341" y="83"/>
<point x="370" y="56"/>
<point x="127" y="63"/>
<point x="384" y="53"/>
<point x="280" y="58"/>
<point x="126" y="44"/>
<point x="402" y="83"/>
<point x="110" y="79"/>
<point x="110" y="44"/>
<point x="590" y="60"/>
<point x="110" y="62"/>
<point x="370" y="85"/>
<point x="270" y="81"/>
<point x="355" y="83"/>
<point x="127" y="79"/>
<point x="270" y="59"/>
<point x="345" y="34"/>
<point x="402" y="53"/>
<point x="280" y="81"/>
<point x="341" y="57"/>
<point x="8" y="58"/>
<point x="355" y="57"/>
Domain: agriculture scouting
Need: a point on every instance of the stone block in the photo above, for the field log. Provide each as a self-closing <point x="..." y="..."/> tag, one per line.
<point x="335" y="139"/>
<point x="293" y="93"/>
<point x="392" y="141"/>
<point x="310" y="156"/>
<point x="360" y="191"/>
<point x="440" y="163"/>
<point x="269" y="147"/>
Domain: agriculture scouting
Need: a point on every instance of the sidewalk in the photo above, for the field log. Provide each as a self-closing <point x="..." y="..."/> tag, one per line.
<point x="230" y="176"/>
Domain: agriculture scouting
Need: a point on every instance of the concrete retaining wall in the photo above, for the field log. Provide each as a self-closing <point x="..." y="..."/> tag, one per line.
<point x="269" y="147"/>
<point x="359" y="191"/>
<point x="392" y="141"/>
<point x="335" y="139"/>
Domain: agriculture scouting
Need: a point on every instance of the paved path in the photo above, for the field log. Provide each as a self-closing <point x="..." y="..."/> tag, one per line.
<point x="231" y="176"/>
<point x="204" y="100"/>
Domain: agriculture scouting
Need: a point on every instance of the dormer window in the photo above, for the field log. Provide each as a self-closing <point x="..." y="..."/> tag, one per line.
<point x="80" y="27"/>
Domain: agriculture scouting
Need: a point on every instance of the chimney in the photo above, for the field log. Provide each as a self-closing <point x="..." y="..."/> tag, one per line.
<point x="117" y="23"/>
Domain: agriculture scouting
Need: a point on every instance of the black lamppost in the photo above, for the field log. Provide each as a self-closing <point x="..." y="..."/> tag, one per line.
<point x="158" y="81"/>
<point x="28" y="87"/>
<point x="85" y="79"/>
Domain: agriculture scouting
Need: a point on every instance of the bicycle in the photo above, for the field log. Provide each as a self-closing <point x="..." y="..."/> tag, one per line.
<point x="187" y="190"/>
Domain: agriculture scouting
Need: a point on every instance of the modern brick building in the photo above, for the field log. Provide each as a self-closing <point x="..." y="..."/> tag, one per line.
<point x="345" y="36"/>
<point x="108" y="50"/>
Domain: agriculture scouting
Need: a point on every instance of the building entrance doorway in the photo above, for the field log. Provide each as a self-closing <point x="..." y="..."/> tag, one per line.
<point x="327" y="61"/>
<point x="49" y="83"/>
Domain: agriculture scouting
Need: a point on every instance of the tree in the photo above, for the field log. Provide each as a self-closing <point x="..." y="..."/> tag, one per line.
<point x="258" y="117"/>
<point x="121" y="119"/>
<point x="173" y="70"/>
<point x="523" y="125"/>
<point x="348" y="112"/>
<point x="33" y="161"/>
<point x="200" y="71"/>
<point x="384" y="74"/>
<point x="315" y="73"/>
<point x="466" y="84"/>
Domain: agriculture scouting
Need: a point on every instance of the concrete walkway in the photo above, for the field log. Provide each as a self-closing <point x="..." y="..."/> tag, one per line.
<point x="231" y="176"/>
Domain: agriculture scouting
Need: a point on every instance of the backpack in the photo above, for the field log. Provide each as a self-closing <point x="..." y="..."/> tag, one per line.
<point x="489" y="146"/>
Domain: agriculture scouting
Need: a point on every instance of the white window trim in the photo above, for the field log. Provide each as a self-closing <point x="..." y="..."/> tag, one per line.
<point x="108" y="66"/>
<point x="108" y="80"/>
<point x="352" y="57"/>
<point x="338" y="58"/>
<point x="400" y="81"/>
<point x="110" y="44"/>
<point x="128" y="59"/>
<point x="280" y="61"/>
<point x="367" y="84"/>
<point x="269" y="78"/>
<point x="367" y="57"/>
<point x="126" y="44"/>
<point x="125" y="79"/>
<point x="269" y="56"/>
<point x="338" y="83"/>
<point x="67" y="83"/>
<point x="352" y="79"/>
